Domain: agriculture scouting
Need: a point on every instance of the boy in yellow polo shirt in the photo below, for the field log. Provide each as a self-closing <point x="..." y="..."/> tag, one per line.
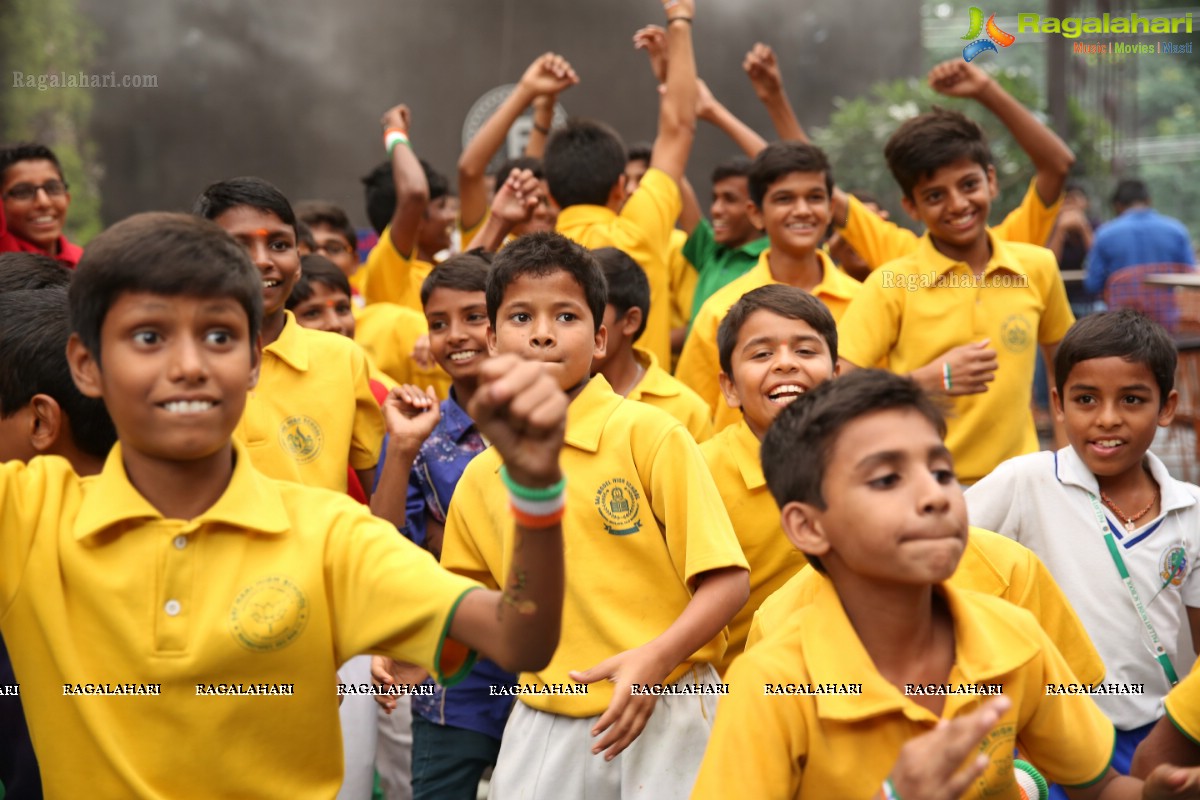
<point x="312" y="416"/>
<point x="655" y="574"/>
<point x="180" y="594"/>
<point x="631" y="371"/>
<point x="790" y="186"/>
<point x="776" y="343"/>
<point x="965" y="313"/>
<point x="868" y="494"/>
<point x="585" y="164"/>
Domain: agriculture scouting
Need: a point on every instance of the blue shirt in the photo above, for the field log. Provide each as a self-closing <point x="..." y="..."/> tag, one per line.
<point x="1139" y="236"/>
<point x="435" y="473"/>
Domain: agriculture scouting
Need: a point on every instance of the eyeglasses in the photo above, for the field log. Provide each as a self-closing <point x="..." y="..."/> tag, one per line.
<point x="332" y="248"/>
<point x="28" y="191"/>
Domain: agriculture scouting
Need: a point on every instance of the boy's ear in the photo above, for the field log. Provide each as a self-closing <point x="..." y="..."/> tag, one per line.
<point x="1166" y="414"/>
<point x="491" y="341"/>
<point x="756" y="215"/>
<point x="1056" y="405"/>
<point x="802" y="526"/>
<point x="601" y="344"/>
<point x="85" y="369"/>
<point x="993" y="184"/>
<point x="910" y="208"/>
<point x="631" y="322"/>
<point x="255" y="360"/>
<point x="47" y="418"/>
<point x="729" y="389"/>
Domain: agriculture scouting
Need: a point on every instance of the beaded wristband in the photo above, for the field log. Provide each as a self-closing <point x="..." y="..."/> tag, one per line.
<point x="393" y="137"/>
<point x="542" y="129"/>
<point x="529" y="493"/>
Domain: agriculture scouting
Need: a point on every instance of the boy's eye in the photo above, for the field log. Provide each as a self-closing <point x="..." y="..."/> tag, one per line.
<point x="281" y="246"/>
<point x="1085" y="399"/>
<point x="1133" y="399"/>
<point x="146" y="337"/>
<point x="567" y="316"/>
<point x="758" y="355"/>
<point x="884" y="481"/>
<point x="436" y="326"/>
<point x="477" y="318"/>
<point x="219" y="337"/>
<point x="342" y="308"/>
<point x="944" y="476"/>
<point x="519" y="316"/>
<point x="311" y="313"/>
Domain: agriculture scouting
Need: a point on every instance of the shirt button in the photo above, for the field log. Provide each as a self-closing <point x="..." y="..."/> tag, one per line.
<point x="172" y="608"/>
<point x="180" y="542"/>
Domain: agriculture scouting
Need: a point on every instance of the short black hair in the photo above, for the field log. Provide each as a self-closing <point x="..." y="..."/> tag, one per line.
<point x="249" y="191"/>
<point x="466" y="272"/>
<point x="20" y="271"/>
<point x="583" y="161"/>
<point x="320" y="212"/>
<point x="1130" y="191"/>
<point x="165" y="254"/>
<point x="380" y="188"/>
<point x="506" y="167"/>
<point x="927" y="142"/>
<point x="798" y="445"/>
<point x="780" y="159"/>
<point x="788" y="302"/>
<point x="639" y="151"/>
<point x="304" y="235"/>
<point x="736" y="167"/>
<point x="1124" y="334"/>
<point x="34" y="329"/>
<point x="541" y="254"/>
<point x="628" y="286"/>
<point x="27" y="151"/>
<point x="316" y="269"/>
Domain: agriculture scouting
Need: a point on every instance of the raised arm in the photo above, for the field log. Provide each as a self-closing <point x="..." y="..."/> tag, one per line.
<point x="762" y="69"/>
<point x="513" y="204"/>
<point x="677" y="109"/>
<point x="710" y="109"/>
<point x="549" y="74"/>
<point x="1050" y="155"/>
<point x="543" y="117"/>
<point x="412" y="190"/>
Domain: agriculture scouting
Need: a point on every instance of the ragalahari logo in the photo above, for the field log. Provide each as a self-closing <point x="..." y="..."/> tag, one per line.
<point x="995" y="36"/>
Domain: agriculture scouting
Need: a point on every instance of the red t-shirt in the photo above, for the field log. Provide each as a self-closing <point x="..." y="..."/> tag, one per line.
<point x="68" y="254"/>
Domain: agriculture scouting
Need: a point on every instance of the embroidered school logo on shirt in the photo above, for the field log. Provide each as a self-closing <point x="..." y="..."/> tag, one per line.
<point x="1172" y="567"/>
<point x="998" y="779"/>
<point x="617" y="502"/>
<point x="300" y="437"/>
<point x="994" y="37"/>
<point x="1016" y="333"/>
<point x="269" y="614"/>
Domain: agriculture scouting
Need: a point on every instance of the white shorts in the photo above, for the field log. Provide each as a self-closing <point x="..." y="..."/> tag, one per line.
<point x="546" y="756"/>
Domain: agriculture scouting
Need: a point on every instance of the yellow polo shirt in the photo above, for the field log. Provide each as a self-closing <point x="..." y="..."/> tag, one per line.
<point x="389" y="334"/>
<point x="312" y="415"/>
<point x="918" y="307"/>
<point x="643" y="231"/>
<point x="699" y="363"/>
<point x="389" y="277"/>
<point x="991" y="564"/>
<point x="684" y="278"/>
<point x="276" y="584"/>
<point x="819" y="746"/>
<point x="733" y="458"/>
<point x="879" y="241"/>
<point x="658" y="388"/>
<point x="643" y="519"/>
<point x="1183" y="706"/>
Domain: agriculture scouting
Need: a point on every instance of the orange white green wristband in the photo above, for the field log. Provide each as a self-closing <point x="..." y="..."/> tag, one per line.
<point x="393" y="137"/>
<point x="535" y="508"/>
<point x="888" y="790"/>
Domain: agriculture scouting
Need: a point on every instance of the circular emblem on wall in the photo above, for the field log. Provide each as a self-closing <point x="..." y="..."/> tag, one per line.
<point x="518" y="134"/>
<point x="618" y="501"/>
<point x="300" y="437"/>
<point x="269" y="614"/>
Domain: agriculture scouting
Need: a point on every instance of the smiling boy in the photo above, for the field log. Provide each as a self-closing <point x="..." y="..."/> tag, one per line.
<point x="776" y="343"/>
<point x="655" y="575"/>
<point x="34" y="203"/>
<point x="867" y="491"/>
<point x="965" y="312"/>
<point x="1115" y="388"/>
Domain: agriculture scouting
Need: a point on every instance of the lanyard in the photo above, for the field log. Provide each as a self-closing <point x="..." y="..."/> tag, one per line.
<point x="1160" y="653"/>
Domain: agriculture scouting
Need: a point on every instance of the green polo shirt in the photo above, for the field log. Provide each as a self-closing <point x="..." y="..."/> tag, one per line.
<point x="717" y="264"/>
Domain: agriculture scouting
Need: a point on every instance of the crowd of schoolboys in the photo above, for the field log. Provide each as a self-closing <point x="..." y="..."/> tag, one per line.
<point x="274" y="524"/>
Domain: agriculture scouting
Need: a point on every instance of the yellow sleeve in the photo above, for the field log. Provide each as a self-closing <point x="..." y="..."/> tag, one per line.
<point x="685" y="499"/>
<point x="27" y="491"/>
<point x="699" y="423"/>
<point x="758" y="743"/>
<point x="1032" y="221"/>
<point x="390" y="277"/>
<point x="1067" y="737"/>
<point x="699" y="364"/>
<point x="471" y="545"/>
<point x="366" y="437"/>
<point x="390" y="596"/>
<point x="870" y="327"/>
<point x="654" y="208"/>
<point x="874" y="238"/>
<point x="1183" y="706"/>
<point x="684" y="278"/>
<point x="467" y="235"/>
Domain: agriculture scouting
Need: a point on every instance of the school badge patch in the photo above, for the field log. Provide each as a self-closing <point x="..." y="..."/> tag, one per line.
<point x="1016" y="333"/>
<point x="268" y="615"/>
<point x="998" y="779"/>
<point x="300" y="437"/>
<point x="1173" y="566"/>
<point x="618" y="501"/>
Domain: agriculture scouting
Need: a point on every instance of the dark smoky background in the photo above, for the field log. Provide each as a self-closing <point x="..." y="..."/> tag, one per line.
<point x="292" y="90"/>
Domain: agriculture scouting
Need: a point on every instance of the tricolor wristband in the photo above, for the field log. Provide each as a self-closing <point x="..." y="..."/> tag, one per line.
<point x="393" y="137"/>
<point x="888" y="790"/>
<point x="947" y="384"/>
<point x="535" y="508"/>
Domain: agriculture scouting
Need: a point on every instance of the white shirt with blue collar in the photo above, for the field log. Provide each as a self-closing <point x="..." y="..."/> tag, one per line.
<point x="1041" y="500"/>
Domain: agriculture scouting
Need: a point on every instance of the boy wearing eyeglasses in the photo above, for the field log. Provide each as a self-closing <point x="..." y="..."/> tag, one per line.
<point x="34" y="204"/>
